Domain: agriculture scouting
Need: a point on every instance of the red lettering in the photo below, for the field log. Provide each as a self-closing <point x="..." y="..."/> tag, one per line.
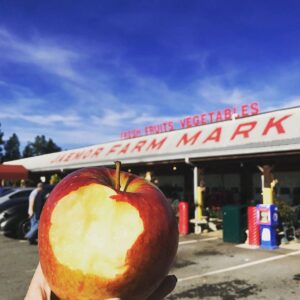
<point x="219" y="117"/>
<point x="211" y="116"/>
<point x="156" y="145"/>
<point x="185" y="122"/>
<point x="235" y="114"/>
<point x="67" y="158"/>
<point x="244" y="110"/>
<point x="78" y="155"/>
<point x="189" y="122"/>
<point x="124" y="149"/>
<point x="139" y="145"/>
<point x="58" y="158"/>
<point x="196" y="120"/>
<point x="159" y="128"/>
<point x="171" y="125"/>
<point x="151" y="130"/>
<point x="165" y="124"/>
<point x="131" y="134"/>
<point x="244" y="129"/>
<point x="185" y="140"/>
<point x="87" y="153"/>
<point x="203" y="118"/>
<point x="146" y="129"/>
<point x="62" y="158"/>
<point x="277" y="124"/>
<point x="214" y="136"/>
<point x="254" y="108"/>
<point x="113" y="149"/>
<point x="97" y="151"/>
<point x="227" y="114"/>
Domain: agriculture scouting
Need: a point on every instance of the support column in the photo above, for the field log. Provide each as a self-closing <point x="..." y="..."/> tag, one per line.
<point x="199" y="188"/>
<point x="196" y="213"/>
<point x="268" y="184"/>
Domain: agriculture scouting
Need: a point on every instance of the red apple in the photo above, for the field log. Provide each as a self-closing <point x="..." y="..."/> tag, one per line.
<point x="99" y="241"/>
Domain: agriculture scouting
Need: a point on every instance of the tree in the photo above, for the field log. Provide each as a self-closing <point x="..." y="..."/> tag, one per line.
<point x="52" y="147"/>
<point x="1" y="143"/>
<point x="28" y="150"/>
<point x="12" y="148"/>
<point x="40" y="146"/>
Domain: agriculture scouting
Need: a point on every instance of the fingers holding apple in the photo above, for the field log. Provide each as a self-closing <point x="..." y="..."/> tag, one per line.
<point x="100" y="240"/>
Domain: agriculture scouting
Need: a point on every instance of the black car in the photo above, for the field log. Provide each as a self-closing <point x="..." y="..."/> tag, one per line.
<point x="5" y="190"/>
<point x="14" y="221"/>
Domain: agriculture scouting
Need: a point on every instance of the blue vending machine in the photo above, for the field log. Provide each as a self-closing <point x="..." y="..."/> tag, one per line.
<point x="267" y="218"/>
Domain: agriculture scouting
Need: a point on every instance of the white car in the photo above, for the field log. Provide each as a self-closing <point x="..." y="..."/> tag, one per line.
<point x="16" y="193"/>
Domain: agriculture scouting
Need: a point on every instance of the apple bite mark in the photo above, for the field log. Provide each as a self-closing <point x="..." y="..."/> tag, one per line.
<point x="103" y="228"/>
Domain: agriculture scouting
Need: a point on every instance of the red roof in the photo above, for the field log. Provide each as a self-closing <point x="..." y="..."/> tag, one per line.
<point x="13" y="172"/>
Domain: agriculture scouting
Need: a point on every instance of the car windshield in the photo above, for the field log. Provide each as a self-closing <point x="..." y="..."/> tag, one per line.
<point x="20" y="194"/>
<point x="5" y="192"/>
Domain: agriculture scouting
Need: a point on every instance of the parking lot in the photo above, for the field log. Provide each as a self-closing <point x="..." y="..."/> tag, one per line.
<point x="206" y="267"/>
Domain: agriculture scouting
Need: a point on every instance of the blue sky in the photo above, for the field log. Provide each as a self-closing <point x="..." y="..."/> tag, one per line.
<point x="81" y="72"/>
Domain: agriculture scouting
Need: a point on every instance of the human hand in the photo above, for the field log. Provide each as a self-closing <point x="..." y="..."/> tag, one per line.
<point x="40" y="290"/>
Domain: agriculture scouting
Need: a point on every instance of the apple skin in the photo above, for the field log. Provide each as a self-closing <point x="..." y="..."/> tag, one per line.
<point x="148" y="260"/>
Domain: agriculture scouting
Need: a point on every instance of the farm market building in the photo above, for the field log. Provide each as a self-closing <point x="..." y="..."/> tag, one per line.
<point x="227" y="152"/>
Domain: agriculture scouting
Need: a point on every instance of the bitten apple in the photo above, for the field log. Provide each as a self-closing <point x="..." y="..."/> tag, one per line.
<point x="106" y="234"/>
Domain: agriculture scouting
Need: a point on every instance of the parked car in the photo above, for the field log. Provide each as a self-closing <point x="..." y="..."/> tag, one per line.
<point x="5" y="190"/>
<point x="16" y="193"/>
<point x="14" y="219"/>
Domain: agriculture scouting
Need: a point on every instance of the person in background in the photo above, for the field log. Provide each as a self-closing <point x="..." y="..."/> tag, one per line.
<point x="34" y="195"/>
<point x="2" y="185"/>
<point x="22" y="183"/>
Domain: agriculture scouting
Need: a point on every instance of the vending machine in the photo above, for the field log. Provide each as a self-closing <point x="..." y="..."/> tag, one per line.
<point x="267" y="218"/>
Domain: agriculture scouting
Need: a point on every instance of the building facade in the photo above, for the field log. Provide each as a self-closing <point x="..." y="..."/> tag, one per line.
<point x="222" y="156"/>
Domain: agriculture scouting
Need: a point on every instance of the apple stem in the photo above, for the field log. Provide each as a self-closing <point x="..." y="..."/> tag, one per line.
<point x="118" y="173"/>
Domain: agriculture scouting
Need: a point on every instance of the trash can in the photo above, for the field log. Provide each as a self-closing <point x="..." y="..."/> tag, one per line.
<point x="234" y="223"/>
<point x="183" y="225"/>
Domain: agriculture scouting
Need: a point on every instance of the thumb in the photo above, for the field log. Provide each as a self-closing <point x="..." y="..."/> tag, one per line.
<point x="165" y="288"/>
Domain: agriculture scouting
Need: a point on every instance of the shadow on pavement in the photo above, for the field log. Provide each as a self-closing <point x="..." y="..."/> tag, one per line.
<point x="297" y="277"/>
<point x="182" y="263"/>
<point x="228" y="290"/>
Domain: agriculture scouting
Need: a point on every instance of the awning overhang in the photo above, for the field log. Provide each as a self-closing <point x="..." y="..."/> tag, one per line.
<point x="271" y="132"/>
<point x="13" y="172"/>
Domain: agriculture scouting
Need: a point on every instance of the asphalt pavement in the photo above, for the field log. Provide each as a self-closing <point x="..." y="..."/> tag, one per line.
<point x="206" y="268"/>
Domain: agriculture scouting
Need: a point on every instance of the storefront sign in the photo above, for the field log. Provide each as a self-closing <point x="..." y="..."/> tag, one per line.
<point x="191" y="121"/>
<point x="218" y="135"/>
<point x="268" y="132"/>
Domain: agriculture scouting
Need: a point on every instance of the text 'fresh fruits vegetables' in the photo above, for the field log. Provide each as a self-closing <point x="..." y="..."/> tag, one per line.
<point x="104" y="234"/>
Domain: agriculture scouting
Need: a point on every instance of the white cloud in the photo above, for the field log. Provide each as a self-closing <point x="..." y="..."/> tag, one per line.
<point x="67" y="139"/>
<point x="214" y="91"/>
<point x="285" y="103"/>
<point x="113" y="118"/>
<point x="41" y="53"/>
<point x="98" y="111"/>
<point x="51" y="119"/>
<point x="36" y="111"/>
